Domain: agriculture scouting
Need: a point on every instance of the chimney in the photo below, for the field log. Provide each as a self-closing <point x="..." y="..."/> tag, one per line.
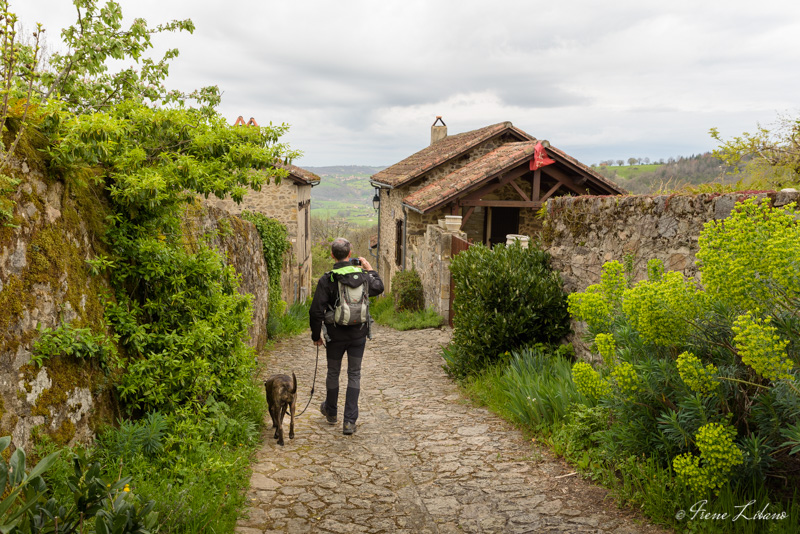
<point x="438" y="132"/>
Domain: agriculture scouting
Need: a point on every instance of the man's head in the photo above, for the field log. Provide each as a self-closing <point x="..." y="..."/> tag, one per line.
<point x="340" y="249"/>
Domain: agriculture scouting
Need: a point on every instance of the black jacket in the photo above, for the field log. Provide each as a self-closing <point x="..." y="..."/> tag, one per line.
<point x="325" y="296"/>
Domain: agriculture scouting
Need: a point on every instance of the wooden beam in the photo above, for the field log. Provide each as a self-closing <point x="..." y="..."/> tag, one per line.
<point x="503" y="203"/>
<point x="551" y="191"/>
<point x="565" y="179"/>
<point x="467" y="215"/>
<point x="537" y="184"/>
<point x="520" y="191"/>
<point x="504" y="179"/>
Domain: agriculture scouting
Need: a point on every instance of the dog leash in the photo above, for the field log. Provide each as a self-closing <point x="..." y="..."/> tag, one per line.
<point x="313" y="383"/>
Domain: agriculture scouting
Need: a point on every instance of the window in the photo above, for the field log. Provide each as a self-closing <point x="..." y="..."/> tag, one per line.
<point x="398" y="243"/>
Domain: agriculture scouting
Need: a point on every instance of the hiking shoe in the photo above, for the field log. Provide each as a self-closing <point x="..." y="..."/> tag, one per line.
<point x="349" y="428"/>
<point x="330" y="418"/>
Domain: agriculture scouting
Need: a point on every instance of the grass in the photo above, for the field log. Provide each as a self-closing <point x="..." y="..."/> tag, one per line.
<point x="291" y="323"/>
<point x="383" y="312"/>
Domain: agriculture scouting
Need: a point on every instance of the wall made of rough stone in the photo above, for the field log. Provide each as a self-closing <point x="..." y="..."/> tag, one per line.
<point x="582" y="233"/>
<point x="282" y="202"/>
<point x="45" y="282"/>
<point x="239" y="242"/>
<point x="433" y="265"/>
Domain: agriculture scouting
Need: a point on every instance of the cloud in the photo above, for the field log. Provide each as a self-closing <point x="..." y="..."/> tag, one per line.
<point x="361" y="81"/>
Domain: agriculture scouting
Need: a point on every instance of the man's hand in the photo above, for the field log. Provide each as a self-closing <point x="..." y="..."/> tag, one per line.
<point x="319" y="342"/>
<point x="365" y="264"/>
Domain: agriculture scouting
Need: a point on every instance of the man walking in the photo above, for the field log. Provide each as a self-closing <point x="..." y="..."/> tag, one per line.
<point x="350" y="338"/>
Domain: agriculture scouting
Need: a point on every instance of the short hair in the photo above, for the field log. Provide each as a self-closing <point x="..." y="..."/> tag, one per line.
<point x="340" y="248"/>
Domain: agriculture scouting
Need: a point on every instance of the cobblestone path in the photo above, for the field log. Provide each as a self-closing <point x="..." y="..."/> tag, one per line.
<point x="423" y="460"/>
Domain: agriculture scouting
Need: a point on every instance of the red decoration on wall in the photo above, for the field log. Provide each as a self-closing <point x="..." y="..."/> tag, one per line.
<point x="540" y="158"/>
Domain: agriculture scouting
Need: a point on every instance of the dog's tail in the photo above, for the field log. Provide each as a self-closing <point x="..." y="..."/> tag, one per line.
<point x="294" y="383"/>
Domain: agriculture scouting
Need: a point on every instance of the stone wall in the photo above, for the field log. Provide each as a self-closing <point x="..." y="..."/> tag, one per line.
<point x="582" y="233"/>
<point x="288" y="203"/>
<point x="239" y="241"/>
<point x="433" y="265"/>
<point x="45" y="282"/>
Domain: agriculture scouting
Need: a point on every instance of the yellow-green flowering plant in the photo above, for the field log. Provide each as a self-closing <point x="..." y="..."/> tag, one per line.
<point x="761" y="347"/>
<point x="697" y="378"/>
<point x="718" y="456"/>
<point x="589" y="382"/>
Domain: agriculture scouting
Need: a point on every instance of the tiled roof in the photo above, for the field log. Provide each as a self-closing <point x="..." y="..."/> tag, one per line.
<point x="299" y="175"/>
<point x="440" y="152"/>
<point x="503" y="158"/>
<point x="470" y="175"/>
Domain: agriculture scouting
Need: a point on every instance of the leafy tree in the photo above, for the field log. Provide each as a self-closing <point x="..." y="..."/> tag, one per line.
<point x="771" y="156"/>
<point x="81" y="76"/>
<point x="632" y="161"/>
<point x="620" y="162"/>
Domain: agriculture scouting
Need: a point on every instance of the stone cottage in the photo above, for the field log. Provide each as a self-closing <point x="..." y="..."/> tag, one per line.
<point x="496" y="178"/>
<point x="290" y="203"/>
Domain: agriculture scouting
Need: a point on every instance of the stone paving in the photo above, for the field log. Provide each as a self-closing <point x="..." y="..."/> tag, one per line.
<point x="423" y="460"/>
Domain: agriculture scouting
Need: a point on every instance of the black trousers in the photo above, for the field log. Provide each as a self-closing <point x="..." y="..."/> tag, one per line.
<point x="335" y="351"/>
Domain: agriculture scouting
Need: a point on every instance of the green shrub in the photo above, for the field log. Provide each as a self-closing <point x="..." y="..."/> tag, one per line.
<point x="407" y="291"/>
<point x="275" y="245"/>
<point x="505" y="298"/>
<point x="704" y="380"/>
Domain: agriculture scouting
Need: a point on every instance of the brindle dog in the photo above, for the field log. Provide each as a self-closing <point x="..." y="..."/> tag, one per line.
<point x="281" y="394"/>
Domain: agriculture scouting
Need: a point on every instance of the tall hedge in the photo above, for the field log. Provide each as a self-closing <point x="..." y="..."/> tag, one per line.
<point x="505" y="298"/>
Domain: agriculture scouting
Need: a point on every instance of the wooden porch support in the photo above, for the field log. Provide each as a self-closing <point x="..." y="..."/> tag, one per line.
<point x="564" y="179"/>
<point x="467" y="215"/>
<point x="551" y="191"/>
<point x="504" y="203"/>
<point x="536" y="185"/>
<point x="513" y="175"/>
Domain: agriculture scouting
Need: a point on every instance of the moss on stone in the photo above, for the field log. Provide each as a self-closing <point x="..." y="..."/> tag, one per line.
<point x="64" y="433"/>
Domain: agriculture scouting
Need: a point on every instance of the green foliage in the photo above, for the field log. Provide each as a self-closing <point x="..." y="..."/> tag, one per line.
<point x="407" y="291"/>
<point x="757" y="246"/>
<point x="704" y="380"/>
<point x="697" y="378"/>
<point x="538" y="387"/>
<point x="718" y="457"/>
<point x="295" y="320"/>
<point x="771" y="156"/>
<point x="505" y="298"/>
<point x="78" y="342"/>
<point x="80" y="77"/>
<point x="658" y="309"/>
<point x="275" y="244"/>
<point x="761" y="347"/>
<point x="589" y="382"/>
<point x="382" y="310"/>
<point x="30" y="505"/>
<point x="178" y="319"/>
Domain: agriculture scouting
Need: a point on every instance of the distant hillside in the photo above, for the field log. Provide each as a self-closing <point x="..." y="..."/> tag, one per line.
<point x="345" y="170"/>
<point x="643" y="179"/>
<point x="344" y="192"/>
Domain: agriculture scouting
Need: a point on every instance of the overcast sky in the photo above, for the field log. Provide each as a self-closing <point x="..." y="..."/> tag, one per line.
<point x="361" y="81"/>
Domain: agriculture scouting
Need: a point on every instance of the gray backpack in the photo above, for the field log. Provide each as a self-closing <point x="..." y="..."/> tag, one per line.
<point x="352" y="302"/>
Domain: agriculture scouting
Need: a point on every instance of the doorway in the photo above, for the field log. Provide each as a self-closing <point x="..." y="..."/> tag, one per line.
<point x="504" y="221"/>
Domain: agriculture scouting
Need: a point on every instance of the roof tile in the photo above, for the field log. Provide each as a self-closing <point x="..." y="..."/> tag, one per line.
<point x="440" y="152"/>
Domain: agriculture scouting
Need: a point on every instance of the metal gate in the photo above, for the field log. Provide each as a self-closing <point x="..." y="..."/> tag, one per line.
<point x="458" y="245"/>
